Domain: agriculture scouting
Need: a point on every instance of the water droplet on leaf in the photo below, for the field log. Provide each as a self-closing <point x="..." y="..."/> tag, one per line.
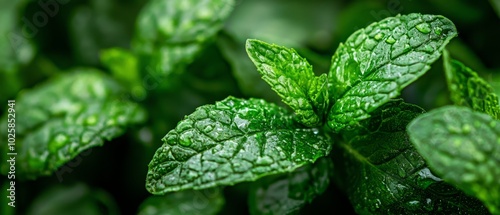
<point x="424" y="28"/>
<point x="390" y="40"/>
<point x="185" y="138"/>
<point x="428" y="204"/>
<point x="379" y="36"/>
<point x="241" y="123"/>
<point x="58" y="142"/>
<point x="466" y="129"/>
<point x="91" y="120"/>
<point x="438" y="30"/>
<point x="425" y="178"/>
<point x="87" y="137"/>
<point x="414" y="202"/>
<point x="264" y="160"/>
<point x="208" y="129"/>
<point x="160" y="186"/>
<point x="111" y="122"/>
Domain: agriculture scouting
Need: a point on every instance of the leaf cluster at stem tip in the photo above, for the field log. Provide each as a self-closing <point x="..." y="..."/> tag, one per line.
<point x="239" y="140"/>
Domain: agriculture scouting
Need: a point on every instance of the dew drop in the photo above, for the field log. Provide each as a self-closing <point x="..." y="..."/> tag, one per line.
<point x="438" y="30"/>
<point x="427" y="48"/>
<point x="91" y="120"/>
<point x="111" y="122"/>
<point x="378" y="203"/>
<point x="264" y="160"/>
<point x="424" y="28"/>
<point x="185" y="138"/>
<point x="426" y="173"/>
<point x="466" y="129"/>
<point x="184" y="125"/>
<point x="379" y="36"/>
<point x="87" y="137"/>
<point x="428" y="204"/>
<point x="58" y="142"/>
<point x="407" y="47"/>
<point x="241" y="123"/>
<point x="425" y="178"/>
<point x="315" y="131"/>
<point x="390" y="40"/>
<point x="414" y="202"/>
<point x="208" y="129"/>
<point x="170" y="139"/>
<point x="413" y="205"/>
<point x="160" y="186"/>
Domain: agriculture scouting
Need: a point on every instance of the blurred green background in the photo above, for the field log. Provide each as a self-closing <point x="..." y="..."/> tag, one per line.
<point x="37" y="43"/>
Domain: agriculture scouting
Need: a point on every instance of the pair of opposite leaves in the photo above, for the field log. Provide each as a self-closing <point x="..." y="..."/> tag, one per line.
<point x="239" y="140"/>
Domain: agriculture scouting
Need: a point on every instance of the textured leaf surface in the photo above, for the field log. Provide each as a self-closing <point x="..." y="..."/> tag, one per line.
<point x="192" y="202"/>
<point x="171" y="33"/>
<point x="292" y="77"/>
<point x="463" y="147"/>
<point x="468" y="89"/>
<point x="65" y="116"/>
<point x="377" y="62"/>
<point x="232" y="141"/>
<point x="124" y="67"/>
<point x="383" y="174"/>
<point x="288" y="193"/>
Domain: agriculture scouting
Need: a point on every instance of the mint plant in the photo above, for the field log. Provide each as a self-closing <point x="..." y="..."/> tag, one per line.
<point x="350" y="109"/>
<point x="60" y="121"/>
<point x="299" y="119"/>
<point x="465" y="139"/>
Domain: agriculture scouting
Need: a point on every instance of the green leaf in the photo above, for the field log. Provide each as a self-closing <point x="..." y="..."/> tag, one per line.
<point x="195" y="202"/>
<point x="383" y="174"/>
<point x="377" y="62"/>
<point x="233" y="141"/>
<point x="468" y="89"/>
<point x="288" y="193"/>
<point x="62" y="117"/>
<point x="124" y="67"/>
<point x="77" y="199"/>
<point x="292" y="77"/>
<point x="463" y="147"/>
<point x="170" y="34"/>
